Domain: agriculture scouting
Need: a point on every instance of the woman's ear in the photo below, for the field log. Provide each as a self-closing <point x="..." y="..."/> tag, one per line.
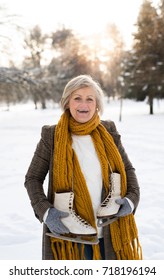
<point x="67" y="106"/>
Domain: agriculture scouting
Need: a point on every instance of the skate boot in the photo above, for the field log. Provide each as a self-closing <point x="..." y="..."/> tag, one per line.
<point x="79" y="230"/>
<point x="109" y="208"/>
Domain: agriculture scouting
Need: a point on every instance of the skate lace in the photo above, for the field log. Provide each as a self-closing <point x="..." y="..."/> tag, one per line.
<point x="106" y="201"/>
<point x="79" y="219"/>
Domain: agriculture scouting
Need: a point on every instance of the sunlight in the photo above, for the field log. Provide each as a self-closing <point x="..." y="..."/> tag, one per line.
<point x="86" y="18"/>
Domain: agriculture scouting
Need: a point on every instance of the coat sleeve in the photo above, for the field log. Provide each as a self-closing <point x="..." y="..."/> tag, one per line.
<point x="36" y="174"/>
<point x="133" y="190"/>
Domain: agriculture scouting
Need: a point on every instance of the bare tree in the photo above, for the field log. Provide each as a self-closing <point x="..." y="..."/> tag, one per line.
<point x="9" y="23"/>
<point x="70" y="58"/>
<point x="34" y="43"/>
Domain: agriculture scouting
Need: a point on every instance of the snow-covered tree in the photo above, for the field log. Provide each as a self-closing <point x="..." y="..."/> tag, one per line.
<point x="144" y="59"/>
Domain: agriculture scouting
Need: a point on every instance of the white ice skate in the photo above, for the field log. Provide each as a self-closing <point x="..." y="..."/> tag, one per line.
<point x="109" y="208"/>
<point x="80" y="230"/>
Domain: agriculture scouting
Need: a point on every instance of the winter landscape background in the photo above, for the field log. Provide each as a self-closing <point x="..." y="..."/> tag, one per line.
<point x="142" y="136"/>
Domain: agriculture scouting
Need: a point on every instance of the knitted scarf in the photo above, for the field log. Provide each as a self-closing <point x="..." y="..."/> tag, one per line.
<point x="67" y="172"/>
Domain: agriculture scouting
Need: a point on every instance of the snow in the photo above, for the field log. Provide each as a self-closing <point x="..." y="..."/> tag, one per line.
<point x="143" y="139"/>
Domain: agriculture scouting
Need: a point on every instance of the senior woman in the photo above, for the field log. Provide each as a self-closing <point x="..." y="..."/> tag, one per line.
<point x="79" y="153"/>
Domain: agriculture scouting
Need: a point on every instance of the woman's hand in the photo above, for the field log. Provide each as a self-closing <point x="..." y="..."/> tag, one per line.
<point x="125" y="208"/>
<point x="54" y="223"/>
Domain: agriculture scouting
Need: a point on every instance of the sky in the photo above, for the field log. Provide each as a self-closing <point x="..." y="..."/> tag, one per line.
<point x="85" y="17"/>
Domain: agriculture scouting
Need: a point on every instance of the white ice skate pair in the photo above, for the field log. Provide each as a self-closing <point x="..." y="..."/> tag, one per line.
<point x="80" y="230"/>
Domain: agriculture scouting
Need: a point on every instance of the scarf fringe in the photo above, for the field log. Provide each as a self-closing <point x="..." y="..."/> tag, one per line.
<point x="125" y="239"/>
<point x="65" y="250"/>
<point x="96" y="252"/>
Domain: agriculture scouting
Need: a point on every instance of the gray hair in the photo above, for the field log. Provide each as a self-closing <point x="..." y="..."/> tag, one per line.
<point x="79" y="82"/>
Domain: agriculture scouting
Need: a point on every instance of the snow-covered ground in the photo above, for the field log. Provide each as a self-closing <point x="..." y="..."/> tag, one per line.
<point x="143" y="138"/>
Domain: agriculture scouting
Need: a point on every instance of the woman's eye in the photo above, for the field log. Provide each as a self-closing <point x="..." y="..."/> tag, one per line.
<point x="77" y="98"/>
<point x="80" y="99"/>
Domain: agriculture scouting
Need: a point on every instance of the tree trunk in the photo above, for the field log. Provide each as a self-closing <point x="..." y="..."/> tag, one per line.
<point x="121" y="103"/>
<point x="151" y="105"/>
<point x="43" y="102"/>
<point x="35" y="103"/>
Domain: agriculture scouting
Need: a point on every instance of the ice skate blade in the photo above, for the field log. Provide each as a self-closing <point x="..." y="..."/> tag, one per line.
<point x="91" y="240"/>
<point x="106" y="217"/>
<point x="102" y="222"/>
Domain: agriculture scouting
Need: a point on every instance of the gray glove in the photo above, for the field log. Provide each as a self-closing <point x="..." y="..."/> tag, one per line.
<point x="125" y="208"/>
<point x="54" y="223"/>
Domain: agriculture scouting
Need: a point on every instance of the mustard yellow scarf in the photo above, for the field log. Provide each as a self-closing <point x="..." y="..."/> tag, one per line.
<point x="66" y="171"/>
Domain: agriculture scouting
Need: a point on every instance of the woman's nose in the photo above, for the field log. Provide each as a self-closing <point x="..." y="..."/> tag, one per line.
<point x="84" y="101"/>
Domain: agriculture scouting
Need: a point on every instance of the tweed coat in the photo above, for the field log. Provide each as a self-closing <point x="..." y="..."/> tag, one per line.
<point x="41" y="165"/>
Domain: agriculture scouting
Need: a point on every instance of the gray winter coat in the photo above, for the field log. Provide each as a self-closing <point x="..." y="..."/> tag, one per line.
<point x="41" y="165"/>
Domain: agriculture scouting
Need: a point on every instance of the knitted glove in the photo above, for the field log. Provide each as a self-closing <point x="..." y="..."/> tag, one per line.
<point x="54" y="223"/>
<point x="125" y="208"/>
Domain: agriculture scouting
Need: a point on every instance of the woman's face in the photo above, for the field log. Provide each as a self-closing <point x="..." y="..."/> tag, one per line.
<point x="82" y="104"/>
